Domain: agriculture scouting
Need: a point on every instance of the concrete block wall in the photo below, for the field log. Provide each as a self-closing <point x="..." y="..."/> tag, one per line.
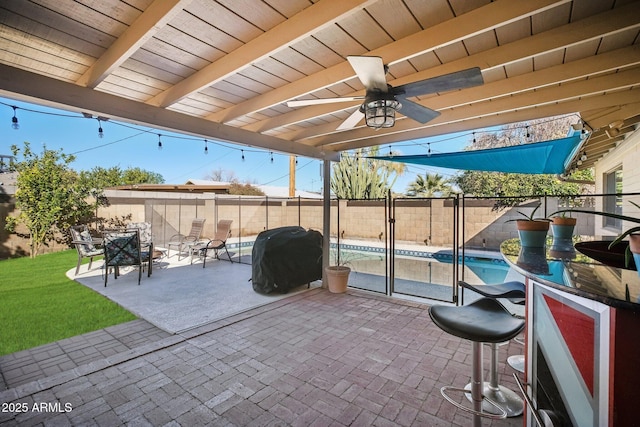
<point x="429" y="221"/>
<point x="417" y="221"/>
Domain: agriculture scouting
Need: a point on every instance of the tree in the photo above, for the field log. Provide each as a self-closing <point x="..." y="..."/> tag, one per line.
<point x="49" y="195"/>
<point x="236" y="188"/>
<point x="222" y="175"/>
<point x="511" y="185"/>
<point x="431" y="185"/>
<point x="131" y="176"/>
<point x="101" y="178"/>
<point x="361" y="177"/>
<point x="239" y="189"/>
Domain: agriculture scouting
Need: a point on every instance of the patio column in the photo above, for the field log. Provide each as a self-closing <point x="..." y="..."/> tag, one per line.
<point x="326" y="217"/>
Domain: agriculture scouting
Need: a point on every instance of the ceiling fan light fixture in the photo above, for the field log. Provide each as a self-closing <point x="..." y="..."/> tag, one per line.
<point x="381" y="113"/>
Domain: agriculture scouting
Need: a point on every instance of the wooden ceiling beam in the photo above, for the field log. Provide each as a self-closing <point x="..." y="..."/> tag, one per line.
<point x="523" y="86"/>
<point x="545" y="42"/>
<point x="306" y="22"/>
<point x="143" y="28"/>
<point x="619" y="112"/>
<point x="487" y="17"/>
<point x="31" y="87"/>
<point x="567" y="95"/>
<point x="480" y="117"/>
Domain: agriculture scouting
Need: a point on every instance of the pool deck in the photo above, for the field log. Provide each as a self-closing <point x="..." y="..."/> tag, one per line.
<point x="310" y="358"/>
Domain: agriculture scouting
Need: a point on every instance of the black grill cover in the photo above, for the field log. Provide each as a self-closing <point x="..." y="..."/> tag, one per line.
<point x="284" y="258"/>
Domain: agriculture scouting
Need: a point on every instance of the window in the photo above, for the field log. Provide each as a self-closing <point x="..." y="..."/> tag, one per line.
<point x="613" y="203"/>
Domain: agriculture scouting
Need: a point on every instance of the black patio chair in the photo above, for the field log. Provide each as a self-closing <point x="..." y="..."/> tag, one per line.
<point x="122" y="248"/>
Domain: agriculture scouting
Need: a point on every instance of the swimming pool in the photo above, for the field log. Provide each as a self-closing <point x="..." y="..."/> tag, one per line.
<point x="418" y="272"/>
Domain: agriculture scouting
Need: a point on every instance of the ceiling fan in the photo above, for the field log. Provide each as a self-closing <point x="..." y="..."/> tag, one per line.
<point x="381" y="100"/>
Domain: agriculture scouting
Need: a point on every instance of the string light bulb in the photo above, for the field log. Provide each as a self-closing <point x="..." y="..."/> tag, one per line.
<point x="528" y="134"/>
<point x="14" y="120"/>
<point x="428" y="149"/>
<point x="242" y="151"/>
<point x="584" y="156"/>
<point x="271" y="154"/>
<point x="100" y="132"/>
<point x="206" y="149"/>
<point x="159" y="143"/>
<point x="474" y="137"/>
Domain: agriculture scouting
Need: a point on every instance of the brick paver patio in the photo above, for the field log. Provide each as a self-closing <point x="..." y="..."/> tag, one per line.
<point x="314" y="359"/>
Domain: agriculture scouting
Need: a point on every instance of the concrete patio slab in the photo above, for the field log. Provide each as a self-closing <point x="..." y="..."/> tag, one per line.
<point x="179" y="295"/>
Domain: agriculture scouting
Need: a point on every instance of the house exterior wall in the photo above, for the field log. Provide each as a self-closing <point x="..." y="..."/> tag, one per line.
<point x="627" y="155"/>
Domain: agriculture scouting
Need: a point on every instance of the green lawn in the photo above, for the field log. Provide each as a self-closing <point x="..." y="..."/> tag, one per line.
<point x="39" y="304"/>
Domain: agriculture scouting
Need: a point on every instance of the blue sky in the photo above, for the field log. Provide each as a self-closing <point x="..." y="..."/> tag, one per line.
<point x="182" y="157"/>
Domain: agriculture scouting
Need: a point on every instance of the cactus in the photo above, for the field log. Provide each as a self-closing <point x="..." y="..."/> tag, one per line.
<point x="359" y="177"/>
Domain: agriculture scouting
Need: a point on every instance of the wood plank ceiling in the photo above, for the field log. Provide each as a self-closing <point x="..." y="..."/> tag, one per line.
<point x="224" y="69"/>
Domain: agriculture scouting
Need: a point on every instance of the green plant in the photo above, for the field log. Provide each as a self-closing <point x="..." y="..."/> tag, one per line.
<point x="563" y="214"/>
<point x="531" y="216"/>
<point x="620" y="236"/>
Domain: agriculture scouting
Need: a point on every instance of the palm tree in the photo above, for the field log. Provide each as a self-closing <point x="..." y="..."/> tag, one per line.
<point x="431" y="185"/>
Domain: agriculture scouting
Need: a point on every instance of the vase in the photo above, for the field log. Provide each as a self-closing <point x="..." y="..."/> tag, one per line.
<point x="532" y="233"/>
<point x="562" y="228"/>
<point x="634" y="246"/>
<point x="337" y="278"/>
<point x="533" y="260"/>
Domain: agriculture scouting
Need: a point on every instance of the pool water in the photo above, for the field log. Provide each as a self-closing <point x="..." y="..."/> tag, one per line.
<point x="419" y="273"/>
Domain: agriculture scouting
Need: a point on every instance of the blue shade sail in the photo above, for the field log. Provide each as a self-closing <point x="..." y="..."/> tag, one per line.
<point x="548" y="157"/>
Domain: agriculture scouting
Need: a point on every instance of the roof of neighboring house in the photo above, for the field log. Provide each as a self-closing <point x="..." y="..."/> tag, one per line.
<point x="176" y="188"/>
<point x="218" y="187"/>
<point x="268" y="190"/>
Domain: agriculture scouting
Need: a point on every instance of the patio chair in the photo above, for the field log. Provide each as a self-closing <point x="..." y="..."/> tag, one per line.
<point x="182" y="242"/>
<point x="219" y="241"/>
<point x="146" y="237"/>
<point x="122" y="248"/>
<point x="85" y="244"/>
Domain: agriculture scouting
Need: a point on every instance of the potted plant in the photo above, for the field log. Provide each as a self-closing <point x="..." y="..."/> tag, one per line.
<point x="562" y="226"/>
<point x="531" y="230"/>
<point x="338" y="275"/>
<point x="633" y="248"/>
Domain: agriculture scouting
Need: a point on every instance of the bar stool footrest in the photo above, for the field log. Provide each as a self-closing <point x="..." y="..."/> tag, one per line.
<point x="507" y="399"/>
<point x="501" y="415"/>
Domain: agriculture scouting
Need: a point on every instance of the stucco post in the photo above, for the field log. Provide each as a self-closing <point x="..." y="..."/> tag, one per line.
<point x="326" y="217"/>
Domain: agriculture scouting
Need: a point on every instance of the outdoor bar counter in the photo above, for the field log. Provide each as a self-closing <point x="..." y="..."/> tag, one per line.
<point x="582" y="345"/>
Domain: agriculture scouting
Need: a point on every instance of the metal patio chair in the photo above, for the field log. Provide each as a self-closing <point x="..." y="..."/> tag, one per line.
<point x="219" y="241"/>
<point x="183" y="242"/>
<point x="85" y="245"/>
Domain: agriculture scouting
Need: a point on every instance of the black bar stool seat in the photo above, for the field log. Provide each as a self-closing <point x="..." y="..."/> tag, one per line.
<point x="483" y="321"/>
<point x="507" y="399"/>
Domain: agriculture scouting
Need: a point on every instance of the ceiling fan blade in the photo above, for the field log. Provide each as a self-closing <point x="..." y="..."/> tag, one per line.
<point x="352" y="120"/>
<point x="305" y="102"/>
<point x="458" y="80"/>
<point x="370" y="71"/>
<point x="417" y="112"/>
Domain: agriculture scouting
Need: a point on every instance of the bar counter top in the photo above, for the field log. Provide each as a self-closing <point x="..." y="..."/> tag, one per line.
<point x="562" y="267"/>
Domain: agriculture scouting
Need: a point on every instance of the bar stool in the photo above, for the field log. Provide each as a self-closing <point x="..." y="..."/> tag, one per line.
<point x="507" y="399"/>
<point x="484" y="320"/>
